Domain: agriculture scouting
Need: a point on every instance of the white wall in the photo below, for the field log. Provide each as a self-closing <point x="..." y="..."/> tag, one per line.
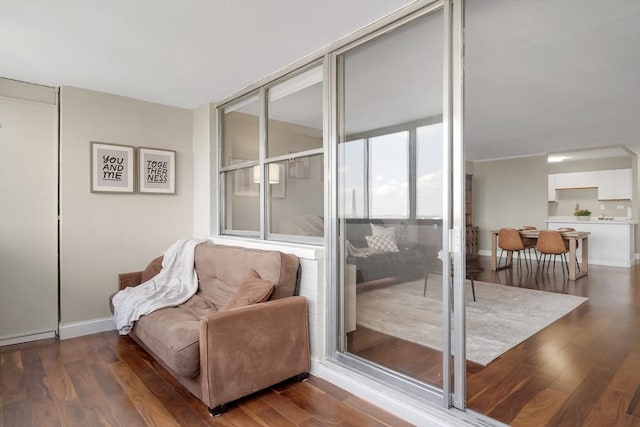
<point x="106" y="234"/>
<point x="203" y="128"/>
<point x="28" y="217"/>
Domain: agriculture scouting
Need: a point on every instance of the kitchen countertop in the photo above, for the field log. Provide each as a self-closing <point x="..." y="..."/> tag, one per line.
<point x="593" y="220"/>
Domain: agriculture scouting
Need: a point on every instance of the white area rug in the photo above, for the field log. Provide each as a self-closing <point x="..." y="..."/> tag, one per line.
<point x="502" y="317"/>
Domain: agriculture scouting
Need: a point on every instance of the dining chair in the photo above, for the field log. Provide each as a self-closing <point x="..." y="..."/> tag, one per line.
<point x="530" y="243"/>
<point x="472" y="269"/>
<point x="509" y="240"/>
<point x="550" y="242"/>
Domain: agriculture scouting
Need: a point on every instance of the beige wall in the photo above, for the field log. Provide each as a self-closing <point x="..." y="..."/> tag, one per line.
<point x="509" y="193"/>
<point x="105" y="234"/>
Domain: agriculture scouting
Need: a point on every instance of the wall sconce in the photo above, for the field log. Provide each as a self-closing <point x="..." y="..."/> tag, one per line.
<point x="274" y="174"/>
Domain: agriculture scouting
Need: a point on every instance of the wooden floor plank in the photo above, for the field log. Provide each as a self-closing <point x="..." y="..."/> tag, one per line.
<point x="149" y="407"/>
<point x="286" y="407"/>
<point x="82" y="379"/>
<point x="271" y="417"/>
<point x="610" y="410"/>
<point x="578" y="407"/>
<point x="57" y="380"/>
<point x="327" y="408"/>
<point x="72" y="413"/>
<point x="17" y="413"/>
<point x="12" y="377"/>
<point x="540" y="409"/>
<point x="509" y="407"/>
<point x="375" y="412"/>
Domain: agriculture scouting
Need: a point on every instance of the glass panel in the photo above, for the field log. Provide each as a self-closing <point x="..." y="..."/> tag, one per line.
<point x="242" y="201"/>
<point x="240" y="132"/>
<point x="391" y="254"/>
<point x="429" y="144"/>
<point x="353" y="163"/>
<point x="295" y="114"/>
<point x="297" y="196"/>
<point x="389" y="176"/>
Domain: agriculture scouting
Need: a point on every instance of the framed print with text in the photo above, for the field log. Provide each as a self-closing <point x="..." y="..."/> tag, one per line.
<point x="156" y="171"/>
<point x="112" y="168"/>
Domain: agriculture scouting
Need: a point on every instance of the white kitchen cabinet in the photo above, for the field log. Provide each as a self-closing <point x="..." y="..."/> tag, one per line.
<point x="551" y="194"/>
<point x="614" y="184"/>
<point x="568" y="180"/>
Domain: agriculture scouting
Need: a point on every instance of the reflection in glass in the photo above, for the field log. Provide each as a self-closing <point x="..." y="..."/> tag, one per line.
<point x="353" y="175"/>
<point x="429" y="171"/>
<point x="297" y="197"/>
<point x="240" y="132"/>
<point x="295" y="114"/>
<point x="389" y="176"/>
<point x="242" y="201"/>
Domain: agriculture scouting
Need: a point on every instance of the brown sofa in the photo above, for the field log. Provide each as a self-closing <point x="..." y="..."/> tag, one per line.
<point x="221" y="355"/>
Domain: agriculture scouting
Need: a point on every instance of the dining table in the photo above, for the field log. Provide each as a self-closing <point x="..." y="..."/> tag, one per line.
<point x="575" y="270"/>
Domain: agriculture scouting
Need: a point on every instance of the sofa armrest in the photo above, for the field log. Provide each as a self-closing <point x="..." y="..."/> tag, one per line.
<point x="129" y="279"/>
<point x="247" y="349"/>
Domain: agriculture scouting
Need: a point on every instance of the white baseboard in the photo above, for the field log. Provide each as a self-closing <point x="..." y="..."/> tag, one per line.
<point x="32" y="336"/>
<point x="86" y="327"/>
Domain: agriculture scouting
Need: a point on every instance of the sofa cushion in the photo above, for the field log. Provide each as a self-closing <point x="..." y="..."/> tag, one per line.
<point x="253" y="290"/>
<point x="152" y="269"/>
<point x="173" y="334"/>
<point x="221" y="270"/>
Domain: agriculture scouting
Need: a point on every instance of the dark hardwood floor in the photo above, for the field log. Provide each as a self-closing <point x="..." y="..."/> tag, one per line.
<point x="107" y="380"/>
<point x="583" y="370"/>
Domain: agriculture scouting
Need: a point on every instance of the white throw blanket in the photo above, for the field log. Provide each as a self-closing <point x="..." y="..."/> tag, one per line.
<point x="174" y="285"/>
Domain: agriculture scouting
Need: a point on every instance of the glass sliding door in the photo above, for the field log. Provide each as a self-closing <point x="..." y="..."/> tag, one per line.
<point x="393" y="267"/>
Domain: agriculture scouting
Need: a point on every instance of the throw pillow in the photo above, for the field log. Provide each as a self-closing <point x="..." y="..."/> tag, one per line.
<point x="380" y="230"/>
<point x="382" y="243"/>
<point x="253" y="290"/>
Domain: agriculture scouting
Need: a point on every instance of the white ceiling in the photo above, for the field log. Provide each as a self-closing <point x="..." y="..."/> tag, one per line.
<point x="540" y="76"/>
<point x="545" y="76"/>
<point x="184" y="53"/>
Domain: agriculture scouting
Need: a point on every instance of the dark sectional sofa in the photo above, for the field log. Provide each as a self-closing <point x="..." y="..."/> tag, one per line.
<point x="418" y="242"/>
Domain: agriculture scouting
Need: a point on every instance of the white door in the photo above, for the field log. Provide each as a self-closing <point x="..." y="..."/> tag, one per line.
<point x="28" y="220"/>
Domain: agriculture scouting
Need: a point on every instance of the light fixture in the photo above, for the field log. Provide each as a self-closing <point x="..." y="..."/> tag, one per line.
<point x="556" y="159"/>
<point x="274" y="174"/>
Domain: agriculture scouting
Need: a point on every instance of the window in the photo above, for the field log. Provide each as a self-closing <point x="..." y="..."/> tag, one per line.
<point x="288" y="178"/>
<point x="240" y="130"/>
<point x="429" y="171"/>
<point x="240" y="127"/>
<point x="353" y="176"/>
<point x="389" y="176"/>
<point x="376" y="174"/>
